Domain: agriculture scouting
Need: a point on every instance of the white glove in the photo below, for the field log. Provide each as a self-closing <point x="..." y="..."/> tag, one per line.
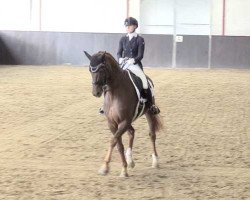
<point x="131" y="61"/>
<point x="121" y="60"/>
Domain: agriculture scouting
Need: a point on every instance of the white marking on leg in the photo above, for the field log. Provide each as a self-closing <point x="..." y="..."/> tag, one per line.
<point x="124" y="173"/>
<point x="129" y="158"/>
<point x="155" y="163"/>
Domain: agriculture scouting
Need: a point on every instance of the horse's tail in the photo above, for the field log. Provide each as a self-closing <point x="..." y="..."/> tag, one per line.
<point x="156" y="121"/>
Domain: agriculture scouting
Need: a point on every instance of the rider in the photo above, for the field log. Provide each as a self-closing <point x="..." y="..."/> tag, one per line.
<point x="130" y="53"/>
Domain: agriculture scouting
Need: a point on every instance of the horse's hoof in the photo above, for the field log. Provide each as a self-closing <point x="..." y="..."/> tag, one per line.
<point x="155" y="165"/>
<point x="124" y="175"/>
<point x="103" y="171"/>
<point x="131" y="164"/>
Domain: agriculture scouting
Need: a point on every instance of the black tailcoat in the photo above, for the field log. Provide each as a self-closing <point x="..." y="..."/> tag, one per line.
<point x="132" y="49"/>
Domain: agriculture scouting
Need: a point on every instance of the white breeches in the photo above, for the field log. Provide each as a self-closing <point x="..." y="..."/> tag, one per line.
<point x="138" y="72"/>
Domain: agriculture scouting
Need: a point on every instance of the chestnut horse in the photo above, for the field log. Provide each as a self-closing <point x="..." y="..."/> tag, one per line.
<point x="120" y="101"/>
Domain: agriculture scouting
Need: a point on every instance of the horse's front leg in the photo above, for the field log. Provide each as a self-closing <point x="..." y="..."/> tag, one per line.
<point x="124" y="172"/>
<point x="122" y="127"/>
<point x="104" y="170"/>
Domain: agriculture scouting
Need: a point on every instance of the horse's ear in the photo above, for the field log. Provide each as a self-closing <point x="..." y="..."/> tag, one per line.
<point x="103" y="56"/>
<point x="88" y="55"/>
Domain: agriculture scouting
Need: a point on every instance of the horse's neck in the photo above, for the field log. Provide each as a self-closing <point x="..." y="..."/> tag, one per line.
<point x="120" y="82"/>
<point x="119" y="78"/>
<point x="121" y="98"/>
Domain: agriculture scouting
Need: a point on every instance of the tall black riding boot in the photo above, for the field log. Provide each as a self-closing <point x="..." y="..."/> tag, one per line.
<point x="148" y="95"/>
<point x="144" y="94"/>
<point x="152" y="107"/>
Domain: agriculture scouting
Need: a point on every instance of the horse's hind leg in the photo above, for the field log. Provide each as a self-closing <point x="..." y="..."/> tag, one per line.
<point x="152" y="135"/>
<point x="129" y="158"/>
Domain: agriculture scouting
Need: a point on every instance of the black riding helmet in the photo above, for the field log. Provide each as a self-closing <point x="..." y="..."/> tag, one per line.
<point x="131" y="21"/>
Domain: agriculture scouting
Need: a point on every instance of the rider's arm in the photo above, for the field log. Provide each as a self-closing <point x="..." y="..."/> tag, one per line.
<point x="141" y="47"/>
<point x="120" y="48"/>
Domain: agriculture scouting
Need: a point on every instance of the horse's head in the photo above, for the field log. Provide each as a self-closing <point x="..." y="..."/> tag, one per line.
<point x="98" y="72"/>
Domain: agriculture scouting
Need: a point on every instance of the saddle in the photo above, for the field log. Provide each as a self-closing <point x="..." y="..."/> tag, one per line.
<point x="139" y="88"/>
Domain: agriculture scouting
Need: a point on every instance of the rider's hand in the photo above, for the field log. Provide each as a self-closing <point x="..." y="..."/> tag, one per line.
<point x="121" y="60"/>
<point x="131" y="61"/>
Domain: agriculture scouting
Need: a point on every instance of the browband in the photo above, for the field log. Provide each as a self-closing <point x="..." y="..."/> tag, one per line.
<point x="96" y="68"/>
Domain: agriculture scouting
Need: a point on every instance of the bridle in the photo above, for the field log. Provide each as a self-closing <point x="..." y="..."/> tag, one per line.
<point x="103" y="83"/>
<point x="96" y="68"/>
